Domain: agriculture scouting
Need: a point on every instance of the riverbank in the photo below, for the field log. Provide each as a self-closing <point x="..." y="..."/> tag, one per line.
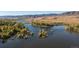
<point x="50" y="20"/>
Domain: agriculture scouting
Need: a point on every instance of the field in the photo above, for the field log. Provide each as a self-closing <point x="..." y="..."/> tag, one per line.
<point x="57" y="19"/>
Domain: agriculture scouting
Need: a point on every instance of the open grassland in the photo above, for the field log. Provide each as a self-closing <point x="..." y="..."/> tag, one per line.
<point x="50" y="20"/>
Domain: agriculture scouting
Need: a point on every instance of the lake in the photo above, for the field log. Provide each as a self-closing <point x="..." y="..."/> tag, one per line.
<point x="57" y="37"/>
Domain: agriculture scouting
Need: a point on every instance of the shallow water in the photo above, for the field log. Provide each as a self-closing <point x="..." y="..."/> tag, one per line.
<point x="57" y="38"/>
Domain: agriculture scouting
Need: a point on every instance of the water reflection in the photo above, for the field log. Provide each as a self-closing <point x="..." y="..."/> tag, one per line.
<point x="3" y="41"/>
<point x="54" y="36"/>
<point x="73" y="29"/>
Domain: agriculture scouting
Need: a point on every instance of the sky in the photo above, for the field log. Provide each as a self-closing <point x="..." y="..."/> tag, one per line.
<point x="8" y="13"/>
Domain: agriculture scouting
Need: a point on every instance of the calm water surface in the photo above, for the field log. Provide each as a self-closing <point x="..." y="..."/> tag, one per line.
<point x="58" y="37"/>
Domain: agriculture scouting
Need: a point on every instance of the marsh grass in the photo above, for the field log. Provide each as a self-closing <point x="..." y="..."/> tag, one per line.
<point x="43" y="34"/>
<point x="9" y="28"/>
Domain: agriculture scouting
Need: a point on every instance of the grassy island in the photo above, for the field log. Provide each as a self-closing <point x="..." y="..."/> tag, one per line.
<point x="9" y="28"/>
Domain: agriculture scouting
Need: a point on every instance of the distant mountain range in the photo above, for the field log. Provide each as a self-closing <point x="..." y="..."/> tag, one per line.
<point x="71" y="13"/>
<point x="41" y="15"/>
<point x="28" y="16"/>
